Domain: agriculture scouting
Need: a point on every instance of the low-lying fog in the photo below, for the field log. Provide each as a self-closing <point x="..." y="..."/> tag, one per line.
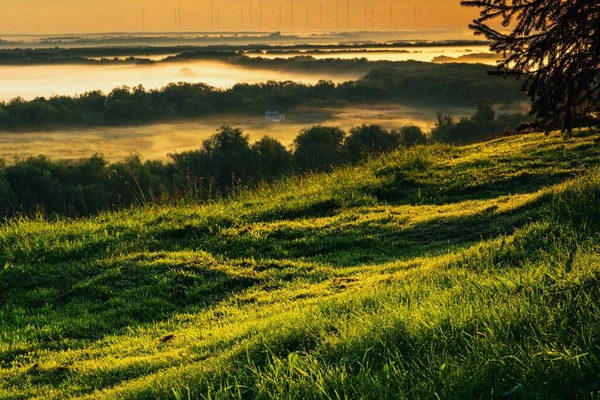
<point x="156" y="141"/>
<point x="426" y="54"/>
<point x="33" y="81"/>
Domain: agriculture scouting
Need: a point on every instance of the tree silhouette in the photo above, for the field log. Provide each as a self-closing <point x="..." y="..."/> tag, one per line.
<point x="555" y="46"/>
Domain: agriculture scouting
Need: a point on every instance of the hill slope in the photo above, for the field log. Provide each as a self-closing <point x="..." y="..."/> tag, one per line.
<point x="436" y="271"/>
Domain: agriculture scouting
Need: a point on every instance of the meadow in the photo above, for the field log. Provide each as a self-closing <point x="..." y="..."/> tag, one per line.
<point x="431" y="272"/>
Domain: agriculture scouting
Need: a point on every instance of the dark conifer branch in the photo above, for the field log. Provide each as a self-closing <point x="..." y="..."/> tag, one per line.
<point x="555" y="46"/>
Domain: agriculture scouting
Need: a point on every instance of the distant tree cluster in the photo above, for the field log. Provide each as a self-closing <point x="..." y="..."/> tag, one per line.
<point x="415" y="83"/>
<point x="481" y="126"/>
<point x="226" y="162"/>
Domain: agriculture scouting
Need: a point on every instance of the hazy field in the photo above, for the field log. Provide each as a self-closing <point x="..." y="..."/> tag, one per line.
<point x="156" y="141"/>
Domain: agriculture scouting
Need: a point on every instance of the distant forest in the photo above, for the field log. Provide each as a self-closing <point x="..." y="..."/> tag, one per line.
<point x="410" y="83"/>
<point x="79" y="54"/>
<point x="226" y="163"/>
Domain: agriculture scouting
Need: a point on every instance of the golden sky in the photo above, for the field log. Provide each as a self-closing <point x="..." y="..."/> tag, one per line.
<point x="92" y="16"/>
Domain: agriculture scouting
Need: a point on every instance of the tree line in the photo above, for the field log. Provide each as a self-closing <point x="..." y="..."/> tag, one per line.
<point x="416" y="84"/>
<point x="226" y="162"/>
<point x="59" y="55"/>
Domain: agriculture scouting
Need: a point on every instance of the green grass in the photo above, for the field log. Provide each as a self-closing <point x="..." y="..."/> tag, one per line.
<point x="435" y="272"/>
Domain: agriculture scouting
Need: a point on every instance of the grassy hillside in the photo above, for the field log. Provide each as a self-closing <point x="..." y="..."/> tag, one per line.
<point x="435" y="272"/>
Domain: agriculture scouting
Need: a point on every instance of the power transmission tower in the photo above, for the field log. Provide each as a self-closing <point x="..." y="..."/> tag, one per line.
<point x="415" y="17"/>
<point x="373" y="17"/>
<point x="306" y="17"/>
<point x="321" y="16"/>
<point x="348" y="14"/>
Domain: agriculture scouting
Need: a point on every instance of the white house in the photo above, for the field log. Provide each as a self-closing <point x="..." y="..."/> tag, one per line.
<point x="274" y="116"/>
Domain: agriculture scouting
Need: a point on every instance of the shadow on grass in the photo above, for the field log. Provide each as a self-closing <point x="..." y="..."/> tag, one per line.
<point x="348" y="244"/>
<point x="82" y="302"/>
<point x="340" y="243"/>
<point x="400" y="190"/>
<point x="87" y="302"/>
<point x="547" y="164"/>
